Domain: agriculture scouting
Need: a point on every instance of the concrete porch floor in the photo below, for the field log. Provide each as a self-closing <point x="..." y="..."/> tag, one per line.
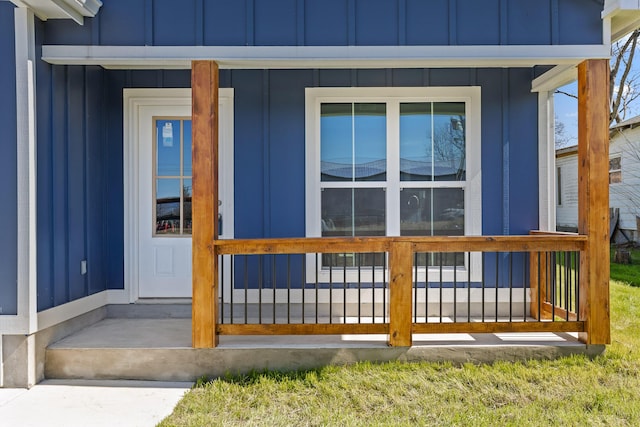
<point x="160" y="349"/>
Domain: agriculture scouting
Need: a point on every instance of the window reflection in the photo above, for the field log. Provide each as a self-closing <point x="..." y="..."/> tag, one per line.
<point x="432" y="141"/>
<point x="167" y="206"/>
<point x="172" y="177"/>
<point x="432" y="212"/>
<point x="353" y="144"/>
<point x="353" y="212"/>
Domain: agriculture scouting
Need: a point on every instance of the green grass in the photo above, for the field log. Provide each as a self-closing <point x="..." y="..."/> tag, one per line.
<point x="627" y="273"/>
<point x="569" y="391"/>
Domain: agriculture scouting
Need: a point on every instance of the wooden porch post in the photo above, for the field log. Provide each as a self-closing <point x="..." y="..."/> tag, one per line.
<point x="593" y="198"/>
<point x="400" y="287"/>
<point x="204" y="205"/>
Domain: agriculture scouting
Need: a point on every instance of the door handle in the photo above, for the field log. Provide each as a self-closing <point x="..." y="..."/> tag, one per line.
<point x="219" y="224"/>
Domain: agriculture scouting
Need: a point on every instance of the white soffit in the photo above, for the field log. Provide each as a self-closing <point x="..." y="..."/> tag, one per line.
<point x="554" y="78"/>
<point x="62" y="9"/>
<point x="261" y="57"/>
<point x="624" y="15"/>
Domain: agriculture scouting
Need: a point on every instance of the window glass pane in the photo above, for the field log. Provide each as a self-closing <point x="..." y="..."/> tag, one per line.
<point x="615" y="177"/>
<point x="168" y="147"/>
<point x="448" y="211"/>
<point x="432" y="212"/>
<point x="353" y="212"/>
<point x="167" y="206"/>
<point x="415" y="142"/>
<point x="614" y="164"/>
<point x="415" y="212"/>
<point x="449" y="141"/>
<point x="336" y="148"/>
<point x="370" y="142"/>
<point x="186" y="206"/>
<point x="186" y="151"/>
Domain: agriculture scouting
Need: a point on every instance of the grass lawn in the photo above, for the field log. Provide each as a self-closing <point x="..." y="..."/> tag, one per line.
<point x="569" y="391"/>
<point x="627" y="273"/>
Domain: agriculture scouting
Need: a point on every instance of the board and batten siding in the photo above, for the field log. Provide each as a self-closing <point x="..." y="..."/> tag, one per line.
<point x="80" y="160"/>
<point x="8" y="164"/>
<point x="335" y="23"/>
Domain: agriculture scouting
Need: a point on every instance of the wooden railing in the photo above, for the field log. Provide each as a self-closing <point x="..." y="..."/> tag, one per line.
<point x="545" y="295"/>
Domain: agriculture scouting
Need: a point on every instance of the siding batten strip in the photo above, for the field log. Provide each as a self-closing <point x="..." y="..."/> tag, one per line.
<point x="204" y="84"/>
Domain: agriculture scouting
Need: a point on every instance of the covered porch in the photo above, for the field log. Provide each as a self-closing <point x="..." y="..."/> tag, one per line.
<point x="541" y="282"/>
<point x="152" y="342"/>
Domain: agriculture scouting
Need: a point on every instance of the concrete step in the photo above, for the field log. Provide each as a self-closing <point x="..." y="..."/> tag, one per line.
<point x="160" y="349"/>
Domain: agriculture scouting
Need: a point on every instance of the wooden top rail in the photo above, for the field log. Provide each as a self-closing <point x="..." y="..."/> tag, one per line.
<point x="552" y="233"/>
<point x="532" y="243"/>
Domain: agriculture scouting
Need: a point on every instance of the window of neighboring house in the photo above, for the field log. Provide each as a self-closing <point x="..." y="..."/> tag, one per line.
<point x="615" y="170"/>
<point x="559" y="186"/>
<point x="393" y="162"/>
<point x="172" y="177"/>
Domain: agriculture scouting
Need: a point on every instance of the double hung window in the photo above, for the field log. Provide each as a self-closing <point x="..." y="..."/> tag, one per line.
<point x="392" y="162"/>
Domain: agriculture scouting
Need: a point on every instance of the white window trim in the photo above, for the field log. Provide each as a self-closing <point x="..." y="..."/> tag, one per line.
<point x="470" y="95"/>
<point x="136" y="100"/>
<point x="611" y="157"/>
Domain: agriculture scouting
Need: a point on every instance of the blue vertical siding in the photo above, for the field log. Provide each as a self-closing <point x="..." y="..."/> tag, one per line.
<point x="123" y="22"/>
<point x="80" y="164"/>
<point x="225" y="23"/>
<point x="376" y="22"/>
<point x="249" y="168"/>
<point x="529" y="22"/>
<point x="180" y="20"/>
<point x="286" y="151"/>
<point x="478" y="23"/>
<point x="80" y="176"/>
<point x="427" y="23"/>
<point x="267" y="138"/>
<point x="523" y="154"/>
<point x="335" y="22"/>
<point x="274" y="22"/>
<point x="8" y="164"/>
<point x="326" y="23"/>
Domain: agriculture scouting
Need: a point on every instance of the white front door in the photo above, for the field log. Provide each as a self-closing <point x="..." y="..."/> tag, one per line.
<point x="164" y="193"/>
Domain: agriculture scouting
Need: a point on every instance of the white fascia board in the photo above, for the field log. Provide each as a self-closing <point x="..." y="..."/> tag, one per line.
<point x="556" y="77"/>
<point x="262" y="57"/>
<point x="624" y="16"/>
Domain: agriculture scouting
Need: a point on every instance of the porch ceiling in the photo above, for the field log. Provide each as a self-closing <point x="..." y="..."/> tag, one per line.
<point x="281" y="57"/>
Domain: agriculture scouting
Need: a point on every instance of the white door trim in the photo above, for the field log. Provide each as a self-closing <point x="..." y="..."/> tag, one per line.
<point x="134" y="100"/>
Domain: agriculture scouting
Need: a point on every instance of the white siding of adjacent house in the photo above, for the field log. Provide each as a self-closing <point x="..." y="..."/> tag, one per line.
<point x="626" y="194"/>
<point x="567" y="210"/>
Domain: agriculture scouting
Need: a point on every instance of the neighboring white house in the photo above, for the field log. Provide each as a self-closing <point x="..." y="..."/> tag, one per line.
<point x="624" y="181"/>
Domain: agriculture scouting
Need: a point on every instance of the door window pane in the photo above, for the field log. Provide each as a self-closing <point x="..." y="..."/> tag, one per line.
<point x="167" y="206"/>
<point x="172" y="176"/>
<point x="186" y="150"/>
<point x="168" y="147"/>
<point x="186" y="206"/>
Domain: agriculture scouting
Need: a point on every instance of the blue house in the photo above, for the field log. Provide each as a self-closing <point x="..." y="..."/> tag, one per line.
<point x="347" y="155"/>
